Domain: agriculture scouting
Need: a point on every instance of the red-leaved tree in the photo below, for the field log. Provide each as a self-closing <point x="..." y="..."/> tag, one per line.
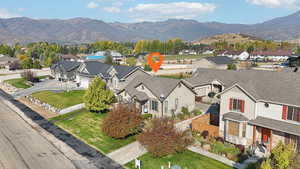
<point x="122" y="121"/>
<point x="161" y="138"/>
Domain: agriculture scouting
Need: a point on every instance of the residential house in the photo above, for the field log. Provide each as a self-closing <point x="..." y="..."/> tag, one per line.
<point x="187" y="52"/>
<point x="116" y="76"/>
<point x="5" y="61"/>
<point x="237" y="55"/>
<point x="158" y="96"/>
<point x="68" y="57"/>
<point x="215" y="62"/>
<point x="65" y="70"/>
<point x="261" y="108"/>
<point x="275" y="56"/>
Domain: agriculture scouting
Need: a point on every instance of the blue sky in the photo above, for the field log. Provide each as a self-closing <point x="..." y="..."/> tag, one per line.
<point x="228" y="11"/>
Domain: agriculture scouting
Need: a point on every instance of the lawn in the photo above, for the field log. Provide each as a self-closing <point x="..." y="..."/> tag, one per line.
<point x="187" y="160"/>
<point x="21" y="82"/>
<point x="60" y="100"/>
<point x="181" y="57"/>
<point x="87" y="126"/>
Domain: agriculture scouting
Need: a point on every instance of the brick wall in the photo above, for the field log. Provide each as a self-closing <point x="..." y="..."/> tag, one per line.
<point x="203" y="123"/>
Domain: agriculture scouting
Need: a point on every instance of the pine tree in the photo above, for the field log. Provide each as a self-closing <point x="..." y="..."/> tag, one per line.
<point x="98" y="98"/>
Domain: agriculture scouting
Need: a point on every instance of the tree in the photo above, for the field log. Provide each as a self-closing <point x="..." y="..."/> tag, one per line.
<point x="161" y="138"/>
<point x="231" y="67"/>
<point x="131" y="61"/>
<point x="36" y="64"/>
<point x="29" y="76"/>
<point x="282" y="155"/>
<point x="27" y="63"/>
<point x="122" y="121"/>
<point x="108" y="58"/>
<point x="266" y="164"/>
<point x="98" y="98"/>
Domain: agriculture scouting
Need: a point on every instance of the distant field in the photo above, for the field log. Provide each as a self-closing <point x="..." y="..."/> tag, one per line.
<point x="181" y="57"/>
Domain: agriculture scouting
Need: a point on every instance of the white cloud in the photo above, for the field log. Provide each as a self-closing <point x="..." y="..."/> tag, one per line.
<point x="175" y="10"/>
<point x="112" y="9"/>
<point x="92" y="5"/>
<point x="276" y="3"/>
<point x="6" y="14"/>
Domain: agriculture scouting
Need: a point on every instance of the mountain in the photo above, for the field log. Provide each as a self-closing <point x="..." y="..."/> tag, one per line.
<point x="84" y="30"/>
<point x="231" y="38"/>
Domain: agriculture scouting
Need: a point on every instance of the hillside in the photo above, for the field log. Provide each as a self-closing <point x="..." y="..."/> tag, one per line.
<point x="230" y="38"/>
<point x="82" y="30"/>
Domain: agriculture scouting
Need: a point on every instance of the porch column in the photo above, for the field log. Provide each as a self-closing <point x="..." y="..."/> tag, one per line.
<point x="271" y="135"/>
<point x="254" y="135"/>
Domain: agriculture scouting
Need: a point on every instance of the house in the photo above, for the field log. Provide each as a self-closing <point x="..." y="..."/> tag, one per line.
<point x="187" y="52"/>
<point x="68" y="57"/>
<point x="65" y="70"/>
<point x="215" y="62"/>
<point x="276" y="56"/>
<point x="238" y="55"/>
<point x="261" y="107"/>
<point x="158" y="96"/>
<point x="5" y="61"/>
<point x="116" y="76"/>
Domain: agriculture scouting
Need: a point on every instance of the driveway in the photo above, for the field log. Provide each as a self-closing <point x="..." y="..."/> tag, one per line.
<point x="46" y="85"/>
<point x="21" y="147"/>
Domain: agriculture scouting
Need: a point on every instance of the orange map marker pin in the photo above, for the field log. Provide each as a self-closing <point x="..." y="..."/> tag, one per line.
<point x="155" y="65"/>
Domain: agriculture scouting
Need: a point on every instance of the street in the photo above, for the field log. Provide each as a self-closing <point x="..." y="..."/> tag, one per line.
<point x="21" y="147"/>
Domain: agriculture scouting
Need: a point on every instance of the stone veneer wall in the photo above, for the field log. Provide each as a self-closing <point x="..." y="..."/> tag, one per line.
<point x="42" y="104"/>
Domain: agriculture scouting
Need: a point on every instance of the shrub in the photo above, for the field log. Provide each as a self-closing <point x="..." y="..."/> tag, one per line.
<point x="211" y="94"/>
<point x="255" y="165"/>
<point x="205" y="134"/>
<point x="266" y="164"/>
<point x="147" y="116"/>
<point x="241" y="148"/>
<point x="220" y="139"/>
<point x="161" y="138"/>
<point x="122" y="121"/>
<point x="29" y="76"/>
<point x="181" y="116"/>
<point x="185" y="111"/>
<point x="36" y="64"/>
<point x="196" y="112"/>
<point x="147" y="68"/>
<point x="282" y="155"/>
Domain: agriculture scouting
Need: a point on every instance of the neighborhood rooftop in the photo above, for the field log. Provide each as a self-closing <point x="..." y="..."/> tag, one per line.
<point x="220" y="60"/>
<point x="281" y="87"/>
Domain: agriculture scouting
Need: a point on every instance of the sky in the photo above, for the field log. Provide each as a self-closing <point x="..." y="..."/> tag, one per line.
<point x="227" y="11"/>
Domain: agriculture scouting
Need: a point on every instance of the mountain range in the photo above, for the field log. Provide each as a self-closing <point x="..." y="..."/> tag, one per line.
<point x="85" y="30"/>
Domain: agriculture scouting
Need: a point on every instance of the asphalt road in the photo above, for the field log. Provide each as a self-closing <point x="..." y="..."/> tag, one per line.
<point x="21" y="147"/>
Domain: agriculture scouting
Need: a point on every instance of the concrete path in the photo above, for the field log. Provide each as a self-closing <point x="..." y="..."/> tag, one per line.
<point x="128" y="153"/>
<point x="46" y="85"/>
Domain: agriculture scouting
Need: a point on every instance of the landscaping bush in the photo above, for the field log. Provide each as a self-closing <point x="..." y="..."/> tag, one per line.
<point x="211" y="94"/>
<point x="196" y="112"/>
<point x="241" y="148"/>
<point x="29" y="76"/>
<point x="185" y="110"/>
<point x="147" y="116"/>
<point x="220" y="139"/>
<point x="161" y="138"/>
<point x="122" y="121"/>
<point x="205" y="134"/>
<point x="98" y="98"/>
<point x="181" y="116"/>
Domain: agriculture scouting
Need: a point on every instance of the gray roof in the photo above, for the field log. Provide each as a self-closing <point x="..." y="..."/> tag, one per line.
<point x="235" y="116"/>
<point x="277" y="125"/>
<point x="159" y="86"/>
<point x="220" y="60"/>
<point x="141" y="96"/>
<point x="280" y="87"/>
<point x="122" y="71"/>
<point x="66" y="65"/>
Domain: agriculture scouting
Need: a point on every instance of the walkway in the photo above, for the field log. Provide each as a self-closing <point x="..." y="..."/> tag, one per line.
<point x="128" y="153"/>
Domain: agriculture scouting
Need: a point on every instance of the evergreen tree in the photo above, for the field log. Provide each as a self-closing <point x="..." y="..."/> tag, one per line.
<point x="98" y="98"/>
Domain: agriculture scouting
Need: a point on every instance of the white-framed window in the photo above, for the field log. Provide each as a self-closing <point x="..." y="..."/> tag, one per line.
<point x="154" y="105"/>
<point x="293" y="113"/>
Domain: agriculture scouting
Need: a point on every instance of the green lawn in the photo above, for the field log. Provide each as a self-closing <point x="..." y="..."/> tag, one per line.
<point x="181" y="57"/>
<point x="21" y="82"/>
<point x="60" y="100"/>
<point x="87" y="126"/>
<point x="187" y="160"/>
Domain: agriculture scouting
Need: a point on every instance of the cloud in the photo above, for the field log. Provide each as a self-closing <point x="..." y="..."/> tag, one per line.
<point x="6" y="14"/>
<point x="92" y="5"/>
<point x="112" y="9"/>
<point x="276" y="3"/>
<point x="174" y="10"/>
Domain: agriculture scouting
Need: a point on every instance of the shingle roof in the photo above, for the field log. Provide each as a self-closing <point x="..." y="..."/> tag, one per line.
<point x="220" y="60"/>
<point x="277" y="125"/>
<point x="159" y="86"/>
<point x="66" y="65"/>
<point x="235" y="116"/>
<point x="122" y="71"/>
<point x="95" y="68"/>
<point x="281" y="87"/>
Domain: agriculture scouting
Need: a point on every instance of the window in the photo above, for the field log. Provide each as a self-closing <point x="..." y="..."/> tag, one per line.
<point x="166" y="106"/>
<point x="154" y="105"/>
<point x="176" y="103"/>
<point x="293" y="113"/>
<point x="244" y="130"/>
<point x="237" y="105"/>
<point x="233" y="128"/>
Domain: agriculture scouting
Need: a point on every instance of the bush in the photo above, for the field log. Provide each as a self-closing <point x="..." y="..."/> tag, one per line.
<point x="180" y="116"/>
<point x="255" y="165"/>
<point x="211" y="94"/>
<point x="122" y="121"/>
<point x="161" y="138"/>
<point x="196" y="112"/>
<point x="147" y="116"/>
<point x="220" y="139"/>
<point x="147" y="68"/>
<point x="36" y="64"/>
<point x="29" y="76"/>
<point x="185" y="111"/>
<point x="241" y="148"/>
<point x="205" y="134"/>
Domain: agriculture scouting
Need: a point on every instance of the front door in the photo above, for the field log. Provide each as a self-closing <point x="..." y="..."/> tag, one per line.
<point x="266" y="137"/>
